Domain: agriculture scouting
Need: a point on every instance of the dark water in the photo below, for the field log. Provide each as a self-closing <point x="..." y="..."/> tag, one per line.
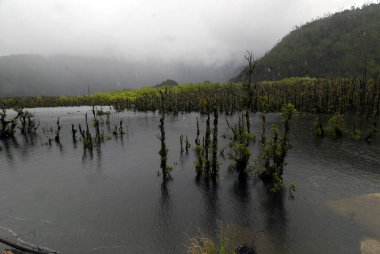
<point x="111" y="201"/>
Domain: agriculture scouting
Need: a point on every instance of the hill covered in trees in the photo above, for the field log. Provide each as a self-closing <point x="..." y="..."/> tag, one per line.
<point x="338" y="45"/>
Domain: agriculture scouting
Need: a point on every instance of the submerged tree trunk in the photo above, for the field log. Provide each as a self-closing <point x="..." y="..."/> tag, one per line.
<point x="163" y="151"/>
<point x="214" y="165"/>
<point x="207" y="144"/>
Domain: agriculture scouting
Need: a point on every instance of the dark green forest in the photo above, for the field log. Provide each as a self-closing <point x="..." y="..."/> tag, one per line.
<point x="344" y="44"/>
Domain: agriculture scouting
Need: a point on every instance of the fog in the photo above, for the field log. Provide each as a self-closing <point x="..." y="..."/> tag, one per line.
<point x="213" y="31"/>
<point x="62" y="47"/>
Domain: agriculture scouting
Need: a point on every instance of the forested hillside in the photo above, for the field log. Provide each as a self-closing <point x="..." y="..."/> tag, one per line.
<point x="339" y="45"/>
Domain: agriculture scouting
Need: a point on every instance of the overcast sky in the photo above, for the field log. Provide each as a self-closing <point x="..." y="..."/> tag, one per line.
<point x="210" y="31"/>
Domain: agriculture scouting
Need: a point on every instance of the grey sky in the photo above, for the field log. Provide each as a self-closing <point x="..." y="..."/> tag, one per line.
<point x="209" y="31"/>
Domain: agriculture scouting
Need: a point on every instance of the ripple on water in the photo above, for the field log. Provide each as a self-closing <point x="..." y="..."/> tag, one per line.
<point x="111" y="201"/>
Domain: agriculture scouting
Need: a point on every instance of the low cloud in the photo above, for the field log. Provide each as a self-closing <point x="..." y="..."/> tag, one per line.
<point x="211" y="32"/>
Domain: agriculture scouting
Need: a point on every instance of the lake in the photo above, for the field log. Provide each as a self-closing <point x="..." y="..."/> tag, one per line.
<point x="113" y="201"/>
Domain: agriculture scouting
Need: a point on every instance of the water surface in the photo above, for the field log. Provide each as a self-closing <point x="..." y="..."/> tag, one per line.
<point x="112" y="201"/>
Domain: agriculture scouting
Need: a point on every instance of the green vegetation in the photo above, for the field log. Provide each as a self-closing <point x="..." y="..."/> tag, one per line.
<point x="239" y="151"/>
<point x="336" y="125"/>
<point x="318" y="127"/>
<point x="232" y="239"/>
<point x="204" y="165"/>
<point x="354" y="96"/>
<point x="342" y="99"/>
<point x="344" y="44"/>
<point x="87" y="139"/>
<point x="340" y="45"/>
<point x="274" y="152"/>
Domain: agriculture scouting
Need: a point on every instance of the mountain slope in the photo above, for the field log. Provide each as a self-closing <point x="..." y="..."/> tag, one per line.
<point x="33" y="75"/>
<point x="338" y="45"/>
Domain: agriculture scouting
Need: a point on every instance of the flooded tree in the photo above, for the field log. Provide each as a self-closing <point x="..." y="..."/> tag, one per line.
<point x="274" y="152"/>
<point x="27" y="121"/>
<point x="239" y="151"/>
<point x="207" y="142"/>
<point x="57" y="132"/>
<point x="263" y="138"/>
<point x="372" y="132"/>
<point x="86" y="136"/>
<point x="206" y="162"/>
<point x="214" y="160"/>
<point x="187" y="145"/>
<point x="74" y="133"/>
<point x="7" y="127"/>
<point x="164" y="150"/>
<point x="199" y="162"/>
<point x="336" y="125"/>
<point x="248" y="72"/>
<point x="319" y="130"/>
<point x="181" y="143"/>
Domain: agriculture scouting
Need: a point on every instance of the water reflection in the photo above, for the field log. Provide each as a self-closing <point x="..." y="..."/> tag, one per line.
<point x="30" y="139"/>
<point x="122" y="138"/>
<point x="240" y="187"/>
<point x="28" y="144"/>
<point x="98" y="157"/>
<point x="241" y="194"/>
<point x="211" y="215"/>
<point x="275" y="215"/>
<point x="155" y="216"/>
<point x="87" y="155"/>
<point x="60" y="146"/>
<point x="118" y="134"/>
<point x="8" y="145"/>
<point x="183" y="158"/>
<point x="164" y="218"/>
<point x="165" y="197"/>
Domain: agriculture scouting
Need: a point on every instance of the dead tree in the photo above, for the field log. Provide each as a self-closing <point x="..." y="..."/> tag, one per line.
<point x="164" y="150"/>
<point x="248" y="72"/>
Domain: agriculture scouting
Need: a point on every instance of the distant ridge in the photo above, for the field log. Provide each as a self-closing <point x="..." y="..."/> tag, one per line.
<point x="34" y="75"/>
